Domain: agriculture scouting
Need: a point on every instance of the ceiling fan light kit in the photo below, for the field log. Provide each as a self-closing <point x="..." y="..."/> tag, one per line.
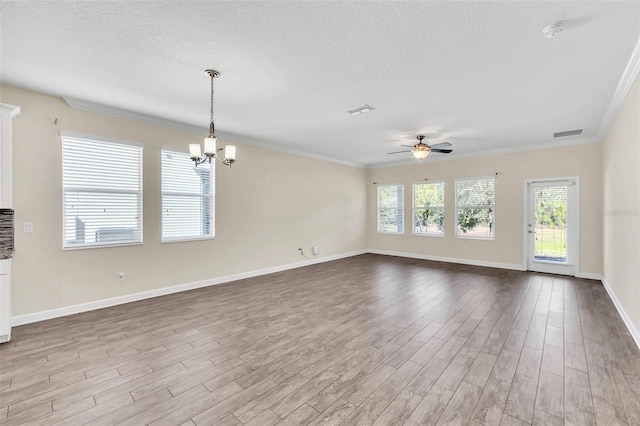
<point x="552" y="30"/>
<point x="421" y="150"/>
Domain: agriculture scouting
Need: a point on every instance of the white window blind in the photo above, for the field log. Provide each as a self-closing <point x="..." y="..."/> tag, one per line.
<point x="428" y="208"/>
<point x="391" y="209"/>
<point x="475" y="206"/>
<point x="102" y="192"/>
<point x="188" y="198"/>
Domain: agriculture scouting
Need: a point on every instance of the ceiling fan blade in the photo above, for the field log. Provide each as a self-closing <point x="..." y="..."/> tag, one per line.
<point x="444" y="151"/>
<point x="441" y="145"/>
<point x="408" y="146"/>
<point x="396" y="152"/>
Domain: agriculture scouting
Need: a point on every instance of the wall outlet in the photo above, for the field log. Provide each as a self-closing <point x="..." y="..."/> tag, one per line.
<point x="27" y="227"/>
<point x="121" y="276"/>
<point x="314" y="250"/>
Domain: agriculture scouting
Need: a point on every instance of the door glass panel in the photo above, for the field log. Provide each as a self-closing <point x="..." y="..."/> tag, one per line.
<point x="551" y="224"/>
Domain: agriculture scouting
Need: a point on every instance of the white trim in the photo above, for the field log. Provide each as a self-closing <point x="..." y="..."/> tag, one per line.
<point x="511" y="266"/>
<point x="629" y="76"/>
<point x="404" y="201"/>
<point x="186" y="239"/>
<point x="70" y="138"/>
<point x="590" y="276"/>
<point x="522" y="147"/>
<point x="413" y="207"/>
<point x="119" y="300"/>
<point x="113" y="111"/>
<point x="197" y="130"/>
<point x="261" y="144"/>
<point x="635" y="334"/>
<point x="456" y="208"/>
<point x="99" y="246"/>
<point x="573" y="219"/>
<point x="13" y="110"/>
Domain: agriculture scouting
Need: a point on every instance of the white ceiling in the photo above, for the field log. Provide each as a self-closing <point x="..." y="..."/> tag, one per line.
<point x="477" y="74"/>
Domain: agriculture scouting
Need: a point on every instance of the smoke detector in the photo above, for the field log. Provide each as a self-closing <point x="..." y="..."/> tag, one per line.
<point x="552" y="30"/>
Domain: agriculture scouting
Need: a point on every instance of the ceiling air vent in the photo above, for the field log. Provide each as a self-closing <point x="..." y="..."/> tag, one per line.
<point x="567" y="133"/>
<point x="362" y="109"/>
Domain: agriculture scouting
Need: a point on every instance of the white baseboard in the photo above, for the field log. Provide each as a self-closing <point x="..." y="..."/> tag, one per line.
<point x="589" y="276"/>
<point x="119" y="300"/>
<point x="623" y="314"/>
<point x="512" y="266"/>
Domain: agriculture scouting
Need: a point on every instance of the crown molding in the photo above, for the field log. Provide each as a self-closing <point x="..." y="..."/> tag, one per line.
<point x="89" y="106"/>
<point x="232" y="137"/>
<point x="570" y="141"/>
<point x="629" y="76"/>
<point x="13" y="110"/>
<point x="631" y="72"/>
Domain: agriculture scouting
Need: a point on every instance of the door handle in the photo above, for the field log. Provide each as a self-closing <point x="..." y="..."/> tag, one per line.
<point x="531" y="232"/>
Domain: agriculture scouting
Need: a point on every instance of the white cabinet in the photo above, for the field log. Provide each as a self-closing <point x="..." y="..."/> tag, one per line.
<point x="5" y="300"/>
<point x="8" y="113"/>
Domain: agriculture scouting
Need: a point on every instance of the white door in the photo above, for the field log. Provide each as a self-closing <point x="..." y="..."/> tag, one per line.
<point x="552" y="226"/>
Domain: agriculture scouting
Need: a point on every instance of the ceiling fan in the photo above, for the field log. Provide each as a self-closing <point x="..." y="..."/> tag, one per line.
<point x="421" y="149"/>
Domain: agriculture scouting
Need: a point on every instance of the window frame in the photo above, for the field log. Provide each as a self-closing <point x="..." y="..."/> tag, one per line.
<point x="457" y="233"/>
<point x="414" y="207"/>
<point x="212" y="197"/>
<point x="378" y="228"/>
<point x="140" y="193"/>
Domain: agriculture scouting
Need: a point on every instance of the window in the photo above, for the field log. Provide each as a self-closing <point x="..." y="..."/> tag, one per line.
<point x="188" y="198"/>
<point x="428" y="208"/>
<point x="390" y="209"/>
<point x="101" y="192"/>
<point x="475" y="204"/>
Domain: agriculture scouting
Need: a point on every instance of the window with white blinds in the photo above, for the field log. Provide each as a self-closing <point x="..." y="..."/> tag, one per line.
<point x="188" y="198"/>
<point x="102" y="192"/>
<point x="391" y="209"/>
<point x="475" y="208"/>
<point x="428" y="208"/>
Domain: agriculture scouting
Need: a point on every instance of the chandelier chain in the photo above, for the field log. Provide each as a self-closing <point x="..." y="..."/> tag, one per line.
<point x="211" y="120"/>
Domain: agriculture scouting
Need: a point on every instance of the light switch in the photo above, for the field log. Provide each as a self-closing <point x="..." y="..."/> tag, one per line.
<point x="27" y="227"/>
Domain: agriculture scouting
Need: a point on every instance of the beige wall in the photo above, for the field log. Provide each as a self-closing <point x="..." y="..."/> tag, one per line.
<point x="513" y="169"/>
<point x="267" y="206"/>
<point x="621" y="174"/>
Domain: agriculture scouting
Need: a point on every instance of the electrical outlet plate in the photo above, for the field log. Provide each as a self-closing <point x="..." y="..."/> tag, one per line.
<point x="121" y="276"/>
<point x="314" y="249"/>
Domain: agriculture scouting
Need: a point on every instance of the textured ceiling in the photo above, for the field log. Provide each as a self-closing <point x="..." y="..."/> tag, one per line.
<point x="477" y="74"/>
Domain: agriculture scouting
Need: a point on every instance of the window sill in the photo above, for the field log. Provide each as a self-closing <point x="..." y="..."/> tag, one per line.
<point x="390" y="233"/>
<point x="428" y="235"/>
<point x="471" y="237"/>
<point x="99" y="246"/>
<point x="184" y="240"/>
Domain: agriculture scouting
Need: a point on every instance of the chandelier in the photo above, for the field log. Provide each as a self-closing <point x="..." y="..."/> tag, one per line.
<point x="200" y="155"/>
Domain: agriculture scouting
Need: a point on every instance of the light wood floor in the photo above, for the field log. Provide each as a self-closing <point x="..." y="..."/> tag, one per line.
<point x="366" y="340"/>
